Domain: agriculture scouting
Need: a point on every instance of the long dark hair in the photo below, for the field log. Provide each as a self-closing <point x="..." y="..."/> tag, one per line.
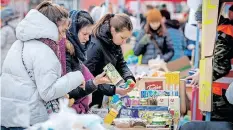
<point x="118" y="21"/>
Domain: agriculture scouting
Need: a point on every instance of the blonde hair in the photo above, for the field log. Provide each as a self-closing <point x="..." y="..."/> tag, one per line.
<point x="70" y="48"/>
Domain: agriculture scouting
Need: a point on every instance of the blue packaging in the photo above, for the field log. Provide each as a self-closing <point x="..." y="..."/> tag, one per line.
<point x="155" y="93"/>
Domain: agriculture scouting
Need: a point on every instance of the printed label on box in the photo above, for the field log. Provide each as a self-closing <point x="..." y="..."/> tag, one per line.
<point x="155" y="93"/>
<point x="174" y="102"/>
<point x="154" y="85"/>
<point x="162" y="101"/>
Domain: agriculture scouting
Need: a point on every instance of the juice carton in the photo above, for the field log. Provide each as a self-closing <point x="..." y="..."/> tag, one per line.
<point x="110" y="116"/>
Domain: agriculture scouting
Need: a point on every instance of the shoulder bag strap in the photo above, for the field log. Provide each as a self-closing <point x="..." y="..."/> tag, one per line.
<point x="29" y="73"/>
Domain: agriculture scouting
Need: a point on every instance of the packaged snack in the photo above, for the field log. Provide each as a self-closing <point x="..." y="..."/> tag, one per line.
<point x="135" y="101"/>
<point x="122" y="122"/>
<point x="143" y="101"/>
<point x="113" y="74"/>
<point x="159" y="121"/>
<point x="162" y="101"/>
<point x="151" y="108"/>
<point x="174" y="103"/>
<point x="155" y="93"/>
<point x="110" y="116"/>
<point x="100" y="112"/>
<point x="126" y="100"/>
<point x="152" y="101"/>
<point x="139" y="124"/>
<point x="129" y="123"/>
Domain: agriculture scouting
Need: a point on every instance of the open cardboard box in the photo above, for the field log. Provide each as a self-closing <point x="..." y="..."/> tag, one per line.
<point x="141" y="85"/>
<point x="182" y="65"/>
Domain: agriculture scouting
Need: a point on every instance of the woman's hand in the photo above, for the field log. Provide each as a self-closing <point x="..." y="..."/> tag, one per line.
<point x="122" y="91"/>
<point x="101" y="79"/>
<point x="194" y="78"/>
<point x="131" y="85"/>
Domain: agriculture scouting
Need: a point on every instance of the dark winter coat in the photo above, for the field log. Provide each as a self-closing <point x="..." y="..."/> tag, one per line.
<point x="223" y="53"/>
<point x="74" y="62"/>
<point x="102" y="51"/>
<point x="177" y="38"/>
<point x="149" y="51"/>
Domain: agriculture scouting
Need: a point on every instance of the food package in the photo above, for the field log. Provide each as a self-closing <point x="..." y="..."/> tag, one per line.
<point x="129" y="123"/>
<point x="102" y="112"/>
<point x="113" y="74"/>
<point x="174" y="104"/>
<point x="163" y="101"/>
<point x="156" y="93"/>
<point x="110" y="116"/>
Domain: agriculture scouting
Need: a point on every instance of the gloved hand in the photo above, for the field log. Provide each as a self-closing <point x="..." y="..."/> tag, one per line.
<point x="145" y="39"/>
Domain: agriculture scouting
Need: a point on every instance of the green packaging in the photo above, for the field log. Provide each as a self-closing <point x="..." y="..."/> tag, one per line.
<point x="113" y="74"/>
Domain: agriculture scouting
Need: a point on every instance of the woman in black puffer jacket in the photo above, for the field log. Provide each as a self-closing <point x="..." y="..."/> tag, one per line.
<point x="108" y="34"/>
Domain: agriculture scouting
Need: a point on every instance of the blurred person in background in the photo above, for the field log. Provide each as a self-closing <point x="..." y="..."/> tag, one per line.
<point x="99" y="11"/>
<point x="176" y="34"/>
<point x="143" y="16"/>
<point x="96" y="13"/>
<point x="33" y="71"/>
<point x="105" y="47"/>
<point x="177" y="37"/>
<point x="91" y="8"/>
<point x="133" y="20"/>
<point x="154" y="41"/>
<point x="7" y="31"/>
<point x="166" y="14"/>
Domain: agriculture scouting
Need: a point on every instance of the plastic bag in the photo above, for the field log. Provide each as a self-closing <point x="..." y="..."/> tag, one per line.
<point x="157" y="64"/>
<point x="68" y="119"/>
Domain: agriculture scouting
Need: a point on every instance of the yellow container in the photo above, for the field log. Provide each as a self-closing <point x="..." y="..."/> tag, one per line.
<point x="110" y="116"/>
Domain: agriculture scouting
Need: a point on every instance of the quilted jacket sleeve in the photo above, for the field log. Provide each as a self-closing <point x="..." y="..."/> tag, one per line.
<point x="47" y="71"/>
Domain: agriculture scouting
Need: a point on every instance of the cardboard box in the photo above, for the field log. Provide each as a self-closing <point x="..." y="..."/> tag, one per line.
<point x="174" y="102"/>
<point x="156" y="93"/>
<point x="209" y="27"/>
<point x="183" y="65"/>
<point x="205" y="84"/>
<point x="151" y="83"/>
